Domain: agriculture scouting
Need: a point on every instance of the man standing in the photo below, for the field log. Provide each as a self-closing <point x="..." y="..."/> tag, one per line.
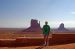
<point x="46" y="30"/>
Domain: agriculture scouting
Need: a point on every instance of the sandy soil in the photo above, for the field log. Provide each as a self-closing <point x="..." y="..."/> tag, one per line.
<point x="66" y="46"/>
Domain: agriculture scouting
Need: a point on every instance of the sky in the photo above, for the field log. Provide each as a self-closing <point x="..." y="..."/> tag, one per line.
<point x="18" y="13"/>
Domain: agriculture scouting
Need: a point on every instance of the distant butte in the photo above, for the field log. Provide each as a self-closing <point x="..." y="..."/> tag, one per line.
<point x="34" y="26"/>
<point x="62" y="28"/>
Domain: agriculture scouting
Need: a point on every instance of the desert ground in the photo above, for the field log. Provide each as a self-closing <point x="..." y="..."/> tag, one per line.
<point x="14" y="39"/>
<point x="64" y="46"/>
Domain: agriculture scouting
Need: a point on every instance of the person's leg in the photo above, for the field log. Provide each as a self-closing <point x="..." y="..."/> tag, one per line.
<point x="47" y="40"/>
<point x="44" y="40"/>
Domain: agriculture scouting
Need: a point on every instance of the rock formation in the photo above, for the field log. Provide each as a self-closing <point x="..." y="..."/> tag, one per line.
<point x="34" y="26"/>
<point x="62" y="28"/>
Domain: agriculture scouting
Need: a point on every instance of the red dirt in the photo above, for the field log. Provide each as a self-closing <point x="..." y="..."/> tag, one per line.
<point x="56" y="39"/>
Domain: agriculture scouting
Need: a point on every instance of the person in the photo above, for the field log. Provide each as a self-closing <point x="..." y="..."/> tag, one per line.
<point x="46" y="30"/>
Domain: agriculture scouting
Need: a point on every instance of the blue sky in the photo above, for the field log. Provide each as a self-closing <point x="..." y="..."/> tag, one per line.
<point x="18" y="13"/>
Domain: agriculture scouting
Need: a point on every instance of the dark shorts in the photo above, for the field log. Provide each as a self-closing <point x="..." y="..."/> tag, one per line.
<point x="45" y="34"/>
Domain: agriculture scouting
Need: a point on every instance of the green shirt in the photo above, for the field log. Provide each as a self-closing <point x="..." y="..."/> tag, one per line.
<point x="46" y="29"/>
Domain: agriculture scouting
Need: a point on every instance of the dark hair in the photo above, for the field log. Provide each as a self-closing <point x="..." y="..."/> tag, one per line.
<point x="46" y="22"/>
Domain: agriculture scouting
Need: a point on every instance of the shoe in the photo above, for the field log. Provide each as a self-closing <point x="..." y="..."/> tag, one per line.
<point x="44" y="44"/>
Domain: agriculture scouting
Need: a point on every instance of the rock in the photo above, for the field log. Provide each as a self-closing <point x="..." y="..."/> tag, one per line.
<point x="62" y="28"/>
<point x="34" y="26"/>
